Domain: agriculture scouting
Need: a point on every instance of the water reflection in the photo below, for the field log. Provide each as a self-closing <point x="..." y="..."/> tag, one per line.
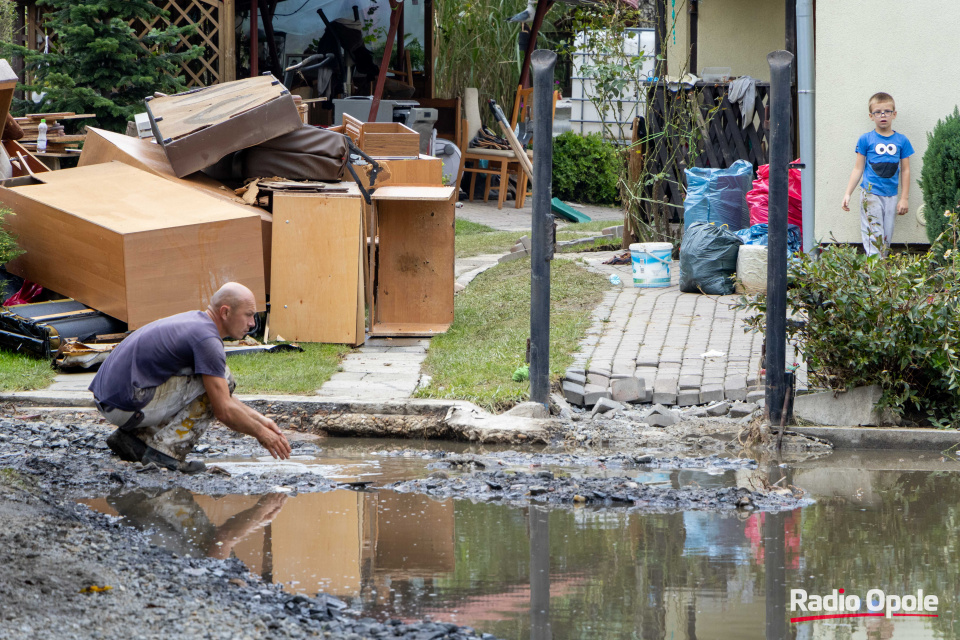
<point x="587" y="573"/>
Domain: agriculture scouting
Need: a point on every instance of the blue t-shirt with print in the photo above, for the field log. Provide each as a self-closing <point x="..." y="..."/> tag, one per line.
<point x="881" y="175"/>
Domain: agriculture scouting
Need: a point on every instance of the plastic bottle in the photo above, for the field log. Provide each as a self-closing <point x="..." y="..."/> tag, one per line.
<point x="42" y="136"/>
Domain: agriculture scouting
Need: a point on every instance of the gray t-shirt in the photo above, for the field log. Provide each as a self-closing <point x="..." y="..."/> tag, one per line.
<point x="184" y="344"/>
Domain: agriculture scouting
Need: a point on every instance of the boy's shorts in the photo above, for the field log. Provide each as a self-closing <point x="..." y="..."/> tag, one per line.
<point x="877" y="215"/>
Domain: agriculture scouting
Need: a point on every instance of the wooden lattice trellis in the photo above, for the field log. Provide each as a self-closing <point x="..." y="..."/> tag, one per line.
<point x="215" y="20"/>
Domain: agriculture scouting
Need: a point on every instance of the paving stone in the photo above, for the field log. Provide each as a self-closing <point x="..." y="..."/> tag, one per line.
<point x="665" y="389"/>
<point x="575" y="377"/>
<point x="529" y="410"/>
<point x="756" y="396"/>
<point x="578" y="370"/>
<point x="628" y="390"/>
<point x="664" y="419"/>
<point x="573" y="393"/>
<point x="689" y="382"/>
<point x="742" y="409"/>
<point x="510" y="257"/>
<point x="711" y="393"/>
<point x="592" y="394"/>
<point x="605" y="405"/>
<point x="600" y="371"/>
<point x="597" y="379"/>
<point x="719" y="409"/>
<point x="561" y="406"/>
<point x="688" y="397"/>
<point x="525" y="242"/>
<point x="735" y="387"/>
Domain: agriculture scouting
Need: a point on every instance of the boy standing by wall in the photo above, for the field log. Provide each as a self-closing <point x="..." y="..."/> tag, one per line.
<point x="883" y="161"/>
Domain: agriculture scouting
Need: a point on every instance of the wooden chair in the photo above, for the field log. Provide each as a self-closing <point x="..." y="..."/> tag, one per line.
<point x="498" y="160"/>
<point x="523" y="112"/>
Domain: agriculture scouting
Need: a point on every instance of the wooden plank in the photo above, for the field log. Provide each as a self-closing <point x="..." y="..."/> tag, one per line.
<point x="420" y="172"/>
<point x="19" y="154"/>
<point x="131" y="244"/>
<point x="65" y="314"/>
<point x="410" y="329"/>
<point x="423" y="194"/>
<point x="8" y="84"/>
<point x="140" y="201"/>
<point x="316" y="285"/>
<point x="106" y="146"/>
<point x="180" y="268"/>
<point x="415" y="272"/>
<point x="52" y="238"/>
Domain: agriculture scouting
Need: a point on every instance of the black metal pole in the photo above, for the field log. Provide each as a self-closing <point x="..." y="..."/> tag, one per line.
<point x="540" y="574"/>
<point x="541" y="251"/>
<point x="775" y="572"/>
<point x="776" y="338"/>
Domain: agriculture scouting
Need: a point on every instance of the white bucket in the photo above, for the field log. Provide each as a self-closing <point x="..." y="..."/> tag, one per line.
<point x="651" y="263"/>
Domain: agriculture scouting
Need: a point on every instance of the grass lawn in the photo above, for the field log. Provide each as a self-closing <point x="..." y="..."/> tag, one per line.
<point x="476" y="358"/>
<point x="21" y="372"/>
<point x="293" y="373"/>
<point x="473" y="239"/>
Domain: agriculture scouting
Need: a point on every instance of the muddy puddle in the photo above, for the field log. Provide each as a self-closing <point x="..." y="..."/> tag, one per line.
<point x="879" y="521"/>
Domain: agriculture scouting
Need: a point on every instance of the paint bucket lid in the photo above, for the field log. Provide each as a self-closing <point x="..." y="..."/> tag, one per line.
<point x="648" y="247"/>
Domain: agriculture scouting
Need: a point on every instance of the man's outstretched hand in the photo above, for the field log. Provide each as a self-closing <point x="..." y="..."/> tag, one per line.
<point x="273" y="440"/>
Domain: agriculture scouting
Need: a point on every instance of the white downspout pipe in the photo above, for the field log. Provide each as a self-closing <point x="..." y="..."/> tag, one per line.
<point x="806" y="119"/>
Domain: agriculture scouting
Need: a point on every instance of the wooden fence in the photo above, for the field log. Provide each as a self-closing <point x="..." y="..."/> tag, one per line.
<point x="215" y="21"/>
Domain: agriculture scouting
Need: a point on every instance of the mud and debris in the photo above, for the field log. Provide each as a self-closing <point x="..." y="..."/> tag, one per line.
<point x="58" y="558"/>
<point x="546" y="488"/>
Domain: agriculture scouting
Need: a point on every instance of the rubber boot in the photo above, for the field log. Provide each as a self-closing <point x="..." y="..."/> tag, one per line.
<point x="132" y="449"/>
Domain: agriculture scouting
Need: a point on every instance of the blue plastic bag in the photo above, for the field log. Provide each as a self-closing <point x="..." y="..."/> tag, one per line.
<point x="757" y="234"/>
<point x="719" y="195"/>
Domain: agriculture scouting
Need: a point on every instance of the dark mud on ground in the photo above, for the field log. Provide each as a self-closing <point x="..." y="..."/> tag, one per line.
<point x="52" y="550"/>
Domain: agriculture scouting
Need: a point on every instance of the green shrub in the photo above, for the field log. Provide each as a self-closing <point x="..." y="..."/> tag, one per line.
<point x="940" y="177"/>
<point x="893" y="322"/>
<point x="586" y="169"/>
<point x="9" y="249"/>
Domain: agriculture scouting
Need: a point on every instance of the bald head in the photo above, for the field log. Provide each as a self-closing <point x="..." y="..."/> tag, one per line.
<point x="232" y="308"/>
<point x="231" y="294"/>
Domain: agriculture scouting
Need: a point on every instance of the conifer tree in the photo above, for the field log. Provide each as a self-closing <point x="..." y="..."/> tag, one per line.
<point x="98" y="64"/>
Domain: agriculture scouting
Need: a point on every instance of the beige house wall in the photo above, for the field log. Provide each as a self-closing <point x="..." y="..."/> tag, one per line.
<point x="903" y="48"/>
<point x="733" y="33"/>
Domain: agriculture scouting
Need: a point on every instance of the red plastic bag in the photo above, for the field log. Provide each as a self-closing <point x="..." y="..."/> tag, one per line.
<point x="759" y="196"/>
<point x="28" y="293"/>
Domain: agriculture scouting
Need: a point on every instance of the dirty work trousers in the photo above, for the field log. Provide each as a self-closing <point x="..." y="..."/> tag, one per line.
<point x="877" y="215"/>
<point x="174" y="419"/>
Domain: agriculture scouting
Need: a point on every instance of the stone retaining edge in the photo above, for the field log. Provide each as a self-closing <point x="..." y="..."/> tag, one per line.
<point x="895" y="438"/>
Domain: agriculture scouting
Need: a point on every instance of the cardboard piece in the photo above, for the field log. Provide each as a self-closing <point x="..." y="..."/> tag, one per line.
<point x="130" y="244"/>
<point x="106" y="146"/>
<point x="317" y="290"/>
<point x="199" y="127"/>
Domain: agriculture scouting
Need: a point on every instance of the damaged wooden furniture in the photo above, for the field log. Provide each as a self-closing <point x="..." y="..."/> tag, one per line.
<point x="106" y="146"/>
<point x="414" y="268"/>
<point x="317" y="284"/>
<point x="199" y="127"/>
<point x="22" y="162"/>
<point x="131" y="244"/>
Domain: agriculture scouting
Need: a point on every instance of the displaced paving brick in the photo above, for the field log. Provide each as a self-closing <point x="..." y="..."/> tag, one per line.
<point x="605" y="405"/>
<point x="510" y="257"/>
<point x="689" y="382"/>
<point x="662" y="419"/>
<point x="592" y="394"/>
<point x="665" y="389"/>
<point x="756" y="396"/>
<point x="597" y="379"/>
<point x="711" y="393"/>
<point x="688" y="397"/>
<point x="628" y="389"/>
<point x="742" y="409"/>
<point x="573" y="393"/>
<point x="720" y="409"/>
<point x="576" y="378"/>
<point x="525" y="242"/>
<point x="735" y="387"/>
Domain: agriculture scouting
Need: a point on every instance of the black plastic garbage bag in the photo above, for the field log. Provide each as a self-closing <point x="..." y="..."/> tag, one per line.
<point x="708" y="259"/>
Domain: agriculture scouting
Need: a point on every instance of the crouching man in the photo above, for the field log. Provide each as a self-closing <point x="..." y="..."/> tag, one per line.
<point x="166" y="383"/>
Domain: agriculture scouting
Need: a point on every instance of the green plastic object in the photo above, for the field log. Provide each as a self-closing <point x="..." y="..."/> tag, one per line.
<point x="567" y="212"/>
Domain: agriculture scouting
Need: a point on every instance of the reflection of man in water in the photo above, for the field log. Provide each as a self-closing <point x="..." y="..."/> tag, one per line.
<point x="180" y="525"/>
